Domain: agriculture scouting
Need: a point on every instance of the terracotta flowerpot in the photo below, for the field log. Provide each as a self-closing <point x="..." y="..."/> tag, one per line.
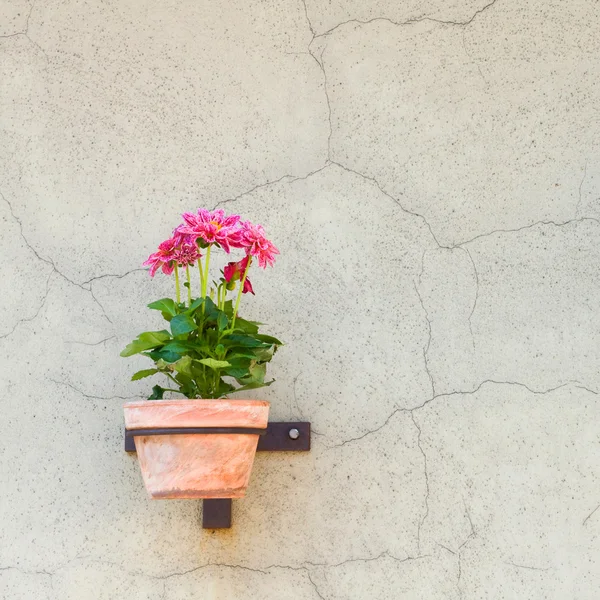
<point x="196" y="465"/>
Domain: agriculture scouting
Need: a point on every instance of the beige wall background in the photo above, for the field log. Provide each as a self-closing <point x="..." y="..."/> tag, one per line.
<point x="431" y="174"/>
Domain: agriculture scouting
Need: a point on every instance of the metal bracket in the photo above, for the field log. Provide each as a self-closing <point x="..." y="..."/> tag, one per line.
<point x="278" y="437"/>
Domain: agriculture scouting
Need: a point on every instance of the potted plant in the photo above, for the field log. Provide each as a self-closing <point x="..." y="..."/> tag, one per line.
<point x="207" y="353"/>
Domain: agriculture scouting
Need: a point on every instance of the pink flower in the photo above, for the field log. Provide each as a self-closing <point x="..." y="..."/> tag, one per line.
<point x="163" y="257"/>
<point x="256" y="244"/>
<point x="187" y="254"/>
<point x="213" y="227"/>
<point x="234" y="271"/>
<point x="182" y="238"/>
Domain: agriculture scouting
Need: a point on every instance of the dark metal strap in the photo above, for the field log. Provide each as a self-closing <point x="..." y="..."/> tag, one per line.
<point x="279" y="437"/>
<point x="183" y="430"/>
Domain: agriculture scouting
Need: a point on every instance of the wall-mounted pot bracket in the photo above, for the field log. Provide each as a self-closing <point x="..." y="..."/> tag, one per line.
<point x="278" y="437"/>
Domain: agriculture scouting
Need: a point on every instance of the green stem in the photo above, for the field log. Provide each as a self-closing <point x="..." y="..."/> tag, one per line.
<point x="201" y="283"/>
<point x="239" y="296"/>
<point x="217" y="380"/>
<point x="177" y="294"/>
<point x="189" y="287"/>
<point x="205" y="278"/>
<point x="172" y="378"/>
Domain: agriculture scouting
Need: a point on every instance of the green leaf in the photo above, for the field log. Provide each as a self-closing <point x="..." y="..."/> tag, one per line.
<point x="211" y="312"/>
<point x="222" y="321"/>
<point x="182" y="324"/>
<point x="239" y="361"/>
<point x="214" y="364"/>
<point x="237" y="372"/>
<point x="155" y="337"/>
<point x="253" y="386"/>
<point x="146" y="341"/>
<point x="268" y="339"/>
<point x="225" y="388"/>
<point x="228" y="308"/>
<point x="178" y="346"/>
<point x="143" y="373"/>
<point x="165" y="305"/>
<point x="166" y="355"/>
<point x="243" y="340"/>
<point x="264" y="354"/>
<point x="197" y="303"/>
<point x="183" y="365"/>
<point x="187" y="385"/>
<point x="246" y="326"/>
<point x="157" y="393"/>
<point x="257" y="373"/>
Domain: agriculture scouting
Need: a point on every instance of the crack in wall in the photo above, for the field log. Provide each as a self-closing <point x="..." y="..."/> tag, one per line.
<point x="26" y="30"/>
<point x="427" y="490"/>
<point x="287" y="178"/>
<point x="109" y="275"/>
<point x="201" y="567"/>
<point x="421" y="217"/>
<point x="472" y="533"/>
<point x="411" y="411"/>
<point x="321" y="65"/>
<point x="85" y="285"/>
<point x="518" y="566"/>
<point x="305" y="568"/>
<point x="458" y="552"/>
<point x="459" y="576"/>
<point x="52" y="264"/>
<point x="524" y="227"/>
<point x="474" y="238"/>
<point x="25" y="33"/>
<point x="574" y="384"/>
<point x="580" y="187"/>
<point x="294" y="382"/>
<point x="317" y="591"/>
<point x="369" y="432"/>
<point x="374" y="181"/>
<point x="590" y="515"/>
<point x="27" y="571"/>
<point x="408" y="22"/>
<point x="112" y="337"/>
<point x="91" y="396"/>
<point x="430" y="330"/>
<point x="330" y="161"/>
<point x="463" y="24"/>
<point x="105" y="314"/>
<point x="37" y="312"/>
<point x="476" y="295"/>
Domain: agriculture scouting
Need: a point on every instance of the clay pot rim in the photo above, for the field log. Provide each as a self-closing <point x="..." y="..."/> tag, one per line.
<point x="187" y="401"/>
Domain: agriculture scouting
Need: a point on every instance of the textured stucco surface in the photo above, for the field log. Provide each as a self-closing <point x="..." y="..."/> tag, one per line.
<point x="431" y="174"/>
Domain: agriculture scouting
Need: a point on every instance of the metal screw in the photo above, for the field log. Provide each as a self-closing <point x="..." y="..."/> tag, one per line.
<point x="294" y="434"/>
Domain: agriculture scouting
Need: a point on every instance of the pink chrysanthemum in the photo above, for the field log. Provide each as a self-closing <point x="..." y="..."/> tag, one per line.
<point x="213" y="227"/>
<point x="163" y="257"/>
<point x="234" y="271"/>
<point x="256" y="244"/>
<point x="182" y="238"/>
<point x="187" y="254"/>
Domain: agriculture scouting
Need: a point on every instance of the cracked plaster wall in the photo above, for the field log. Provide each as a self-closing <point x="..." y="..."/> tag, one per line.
<point x="431" y="174"/>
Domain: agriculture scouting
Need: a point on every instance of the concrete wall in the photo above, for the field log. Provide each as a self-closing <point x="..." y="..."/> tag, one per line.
<point x="431" y="173"/>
